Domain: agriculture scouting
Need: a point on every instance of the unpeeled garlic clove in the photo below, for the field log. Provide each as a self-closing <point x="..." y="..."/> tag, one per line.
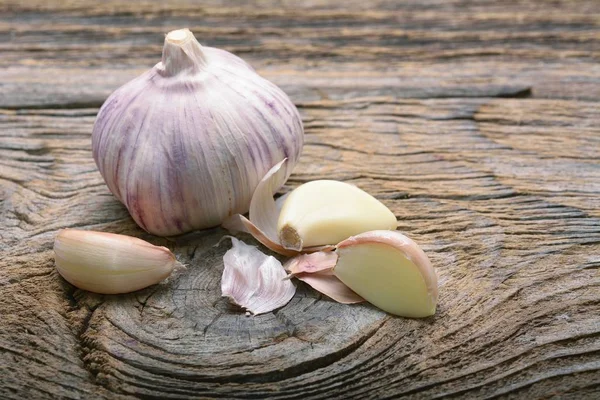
<point x="254" y="280"/>
<point x="390" y="271"/>
<point x="326" y="212"/>
<point x="109" y="263"/>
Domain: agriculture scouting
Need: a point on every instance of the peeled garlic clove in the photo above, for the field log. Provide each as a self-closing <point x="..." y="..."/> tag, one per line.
<point x="184" y="145"/>
<point x="390" y="271"/>
<point x="109" y="263"/>
<point x="325" y="212"/>
<point x="254" y="280"/>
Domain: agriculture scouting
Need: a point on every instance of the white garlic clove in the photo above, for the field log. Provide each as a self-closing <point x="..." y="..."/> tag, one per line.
<point x="184" y="145"/>
<point x="254" y="280"/>
<point x="326" y="212"/>
<point x="330" y="286"/>
<point x="109" y="263"/>
<point x="390" y="271"/>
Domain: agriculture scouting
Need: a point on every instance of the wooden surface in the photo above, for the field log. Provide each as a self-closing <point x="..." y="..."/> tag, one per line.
<point x="477" y="123"/>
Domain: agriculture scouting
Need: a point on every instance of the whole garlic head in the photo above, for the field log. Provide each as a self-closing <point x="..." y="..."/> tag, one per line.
<point x="184" y="145"/>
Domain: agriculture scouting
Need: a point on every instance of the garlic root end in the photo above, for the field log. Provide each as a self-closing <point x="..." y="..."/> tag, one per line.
<point x="290" y="239"/>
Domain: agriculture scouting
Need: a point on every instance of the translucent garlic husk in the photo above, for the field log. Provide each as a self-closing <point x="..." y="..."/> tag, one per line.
<point x="254" y="280"/>
<point x="184" y="145"/>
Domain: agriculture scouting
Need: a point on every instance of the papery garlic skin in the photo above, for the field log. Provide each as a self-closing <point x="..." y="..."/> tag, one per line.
<point x="319" y="262"/>
<point x="254" y="280"/>
<point x="109" y="263"/>
<point x="331" y="286"/>
<point x="326" y="212"/>
<point x="390" y="271"/>
<point x="184" y="145"/>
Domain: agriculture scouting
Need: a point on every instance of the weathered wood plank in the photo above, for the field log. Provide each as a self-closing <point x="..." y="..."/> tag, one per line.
<point x="476" y="123"/>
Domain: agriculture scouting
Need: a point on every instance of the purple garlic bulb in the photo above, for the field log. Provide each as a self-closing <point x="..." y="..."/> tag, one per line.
<point x="184" y="145"/>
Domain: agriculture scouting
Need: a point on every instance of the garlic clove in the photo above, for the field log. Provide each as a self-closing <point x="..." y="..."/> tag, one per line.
<point x="330" y="286"/>
<point x="325" y="212"/>
<point x="254" y="280"/>
<point x="109" y="263"/>
<point x="390" y="271"/>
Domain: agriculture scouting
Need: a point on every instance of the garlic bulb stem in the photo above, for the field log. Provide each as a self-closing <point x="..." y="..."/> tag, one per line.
<point x="182" y="52"/>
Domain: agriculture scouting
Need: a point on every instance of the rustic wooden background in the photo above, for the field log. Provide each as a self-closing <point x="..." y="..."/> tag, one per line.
<point x="477" y="123"/>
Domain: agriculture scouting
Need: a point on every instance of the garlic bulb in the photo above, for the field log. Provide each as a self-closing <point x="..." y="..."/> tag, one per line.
<point x="184" y="145"/>
<point x="109" y="263"/>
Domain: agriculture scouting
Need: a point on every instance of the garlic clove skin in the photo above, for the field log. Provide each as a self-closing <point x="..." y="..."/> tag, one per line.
<point x="321" y="262"/>
<point x="390" y="271"/>
<point x="184" y="145"/>
<point x="325" y="212"/>
<point x="330" y="286"/>
<point x="109" y="263"/>
<point x="254" y="280"/>
<point x="264" y="210"/>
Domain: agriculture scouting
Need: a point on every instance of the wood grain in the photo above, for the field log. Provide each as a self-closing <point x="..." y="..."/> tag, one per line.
<point x="477" y="123"/>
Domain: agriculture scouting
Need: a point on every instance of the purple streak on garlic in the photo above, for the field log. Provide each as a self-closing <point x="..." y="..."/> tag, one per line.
<point x="184" y="145"/>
